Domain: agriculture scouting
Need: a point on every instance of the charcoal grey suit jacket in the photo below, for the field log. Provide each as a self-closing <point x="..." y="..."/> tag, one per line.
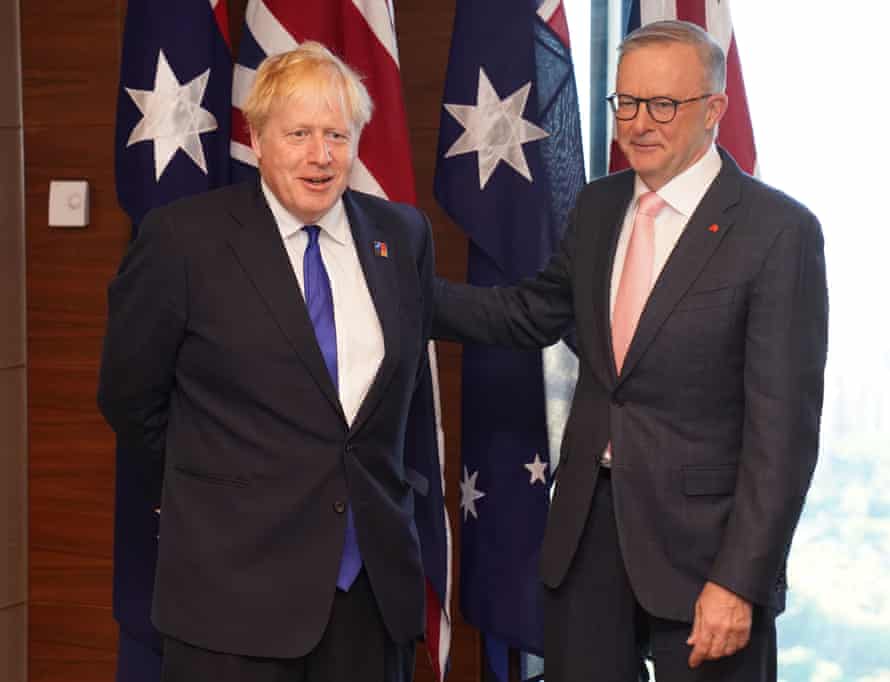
<point x="714" y="420"/>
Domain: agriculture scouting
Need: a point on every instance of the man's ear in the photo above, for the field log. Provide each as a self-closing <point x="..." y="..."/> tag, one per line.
<point x="717" y="106"/>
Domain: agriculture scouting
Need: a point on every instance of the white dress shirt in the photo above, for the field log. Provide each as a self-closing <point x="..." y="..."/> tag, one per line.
<point x="683" y="195"/>
<point x="360" y="346"/>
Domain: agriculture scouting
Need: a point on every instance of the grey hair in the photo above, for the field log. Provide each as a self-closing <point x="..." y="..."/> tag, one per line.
<point x="710" y="54"/>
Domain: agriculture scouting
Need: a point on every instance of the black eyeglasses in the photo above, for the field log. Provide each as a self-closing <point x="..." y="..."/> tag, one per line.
<point x="661" y="109"/>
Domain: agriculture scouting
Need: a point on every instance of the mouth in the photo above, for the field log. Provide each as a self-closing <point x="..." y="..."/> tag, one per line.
<point x="645" y="146"/>
<point x="318" y="182"/>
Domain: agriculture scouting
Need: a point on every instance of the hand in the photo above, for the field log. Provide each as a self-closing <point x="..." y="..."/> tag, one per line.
<point x="721" y="627"/>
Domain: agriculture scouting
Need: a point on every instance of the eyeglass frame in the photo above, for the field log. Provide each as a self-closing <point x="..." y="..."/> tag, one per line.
<point x="613" y="104"/>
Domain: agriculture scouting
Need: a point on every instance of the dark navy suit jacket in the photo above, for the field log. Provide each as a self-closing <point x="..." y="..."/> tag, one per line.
<point x="211" y="364"/>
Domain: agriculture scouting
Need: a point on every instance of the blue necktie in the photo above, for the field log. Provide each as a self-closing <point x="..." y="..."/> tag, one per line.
<point x="320" y="303"/>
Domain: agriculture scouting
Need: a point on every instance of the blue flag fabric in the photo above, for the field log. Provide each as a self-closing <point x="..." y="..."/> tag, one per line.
<point x="174" y="104"/>
<point x="509" y="168"/>
<point x="172" y="140"/>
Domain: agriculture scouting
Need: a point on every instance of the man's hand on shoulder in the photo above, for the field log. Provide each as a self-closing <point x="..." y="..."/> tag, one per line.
<point x="721" y="627"/>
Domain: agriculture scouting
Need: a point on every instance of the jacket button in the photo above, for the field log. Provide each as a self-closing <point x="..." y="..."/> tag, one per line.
<point x="339" y="506"/>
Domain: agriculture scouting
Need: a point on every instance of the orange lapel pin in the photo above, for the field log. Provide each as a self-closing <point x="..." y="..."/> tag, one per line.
<point x="714" y="228"/>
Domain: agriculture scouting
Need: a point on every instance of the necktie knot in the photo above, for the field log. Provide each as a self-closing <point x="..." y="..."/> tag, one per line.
<point x="312" y="231"/>
<point x="650" y="204"/>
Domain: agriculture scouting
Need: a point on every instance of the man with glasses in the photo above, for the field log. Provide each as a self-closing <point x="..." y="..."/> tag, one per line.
<point x="699" y="299"/>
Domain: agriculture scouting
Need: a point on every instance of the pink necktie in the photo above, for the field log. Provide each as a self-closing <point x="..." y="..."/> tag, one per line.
<point x="636" y="277"/>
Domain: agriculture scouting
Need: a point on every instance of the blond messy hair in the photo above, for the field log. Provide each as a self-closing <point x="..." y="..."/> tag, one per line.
<point x="310" y="68"/>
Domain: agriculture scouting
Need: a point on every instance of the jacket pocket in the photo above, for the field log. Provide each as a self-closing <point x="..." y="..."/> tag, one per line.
<point x="710" y="480"/>
<point x="215" y="479"/>
<point x="713" y="298"/>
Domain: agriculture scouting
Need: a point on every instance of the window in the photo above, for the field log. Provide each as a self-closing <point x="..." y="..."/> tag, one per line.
<point x="813" y="144"/>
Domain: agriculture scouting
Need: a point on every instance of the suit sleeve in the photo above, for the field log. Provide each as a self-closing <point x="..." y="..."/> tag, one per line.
<point x="147" y="312"/>
<point x="535" y="313"/>
<point x="786" y="343"/>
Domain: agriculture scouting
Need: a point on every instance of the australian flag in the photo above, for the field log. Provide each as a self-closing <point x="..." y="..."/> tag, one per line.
<point x="172" y="140"/>
<point x="510" y="165"/>
<point x="173" y="110"/>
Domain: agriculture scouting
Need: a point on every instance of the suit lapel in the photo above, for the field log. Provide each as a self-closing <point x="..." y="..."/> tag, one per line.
<point x="259" y="248"/>
<point x="693" y="251"/>
<point x="381" y="277"/>
<point x="609" y="215"/>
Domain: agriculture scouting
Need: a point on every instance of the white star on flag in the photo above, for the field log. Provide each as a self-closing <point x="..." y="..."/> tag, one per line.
<point x="172" y="117"/>
<point x="495" y="129"/>
<point x="469" y="494"/>
<point x="537" y="468"/>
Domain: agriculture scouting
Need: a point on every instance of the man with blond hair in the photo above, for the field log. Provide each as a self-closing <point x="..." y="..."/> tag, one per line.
<point x="699" y="301"/>
<point x="264" y="340"/>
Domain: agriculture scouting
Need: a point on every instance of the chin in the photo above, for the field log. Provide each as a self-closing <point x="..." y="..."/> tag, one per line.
<point x="638" y="158"/>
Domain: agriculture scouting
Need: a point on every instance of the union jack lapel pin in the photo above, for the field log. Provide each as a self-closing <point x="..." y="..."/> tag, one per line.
<point x="380" y="249"/>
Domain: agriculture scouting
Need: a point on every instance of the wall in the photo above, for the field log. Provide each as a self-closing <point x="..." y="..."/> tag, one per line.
<point x="13" y="448"/>
<point x="69" y="67"/>
<point x="70" y="64"/>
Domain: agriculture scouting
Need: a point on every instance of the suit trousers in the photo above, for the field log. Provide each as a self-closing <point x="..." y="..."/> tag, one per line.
<point x="596" y="630"/>
<point x="355" y="646"/>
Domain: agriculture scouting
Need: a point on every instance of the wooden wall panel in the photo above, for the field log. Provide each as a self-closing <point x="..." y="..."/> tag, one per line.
<point x="71" y="642"/>
<point x="70" y="65"/>
<point x="70" y="53"/>
<point x="69" y="72"/>
<point x="63" y="576"/>
<point x="78" y="625"/>
<point x="77" y="664"/>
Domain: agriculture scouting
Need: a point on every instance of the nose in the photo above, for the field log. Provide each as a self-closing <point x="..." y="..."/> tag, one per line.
<point x="321" y="153"/>
<point x="642" y="121"/>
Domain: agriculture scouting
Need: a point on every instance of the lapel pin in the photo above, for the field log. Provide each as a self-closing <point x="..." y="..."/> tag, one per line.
<point x="714" y="228"/>
<point x="380" y="249"/>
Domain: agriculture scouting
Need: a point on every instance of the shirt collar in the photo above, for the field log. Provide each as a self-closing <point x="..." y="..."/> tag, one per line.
<point x="333" y="223"/>
<point x="684" y="192"/>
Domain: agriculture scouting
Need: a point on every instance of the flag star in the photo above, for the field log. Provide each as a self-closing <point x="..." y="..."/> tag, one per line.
<point x="495" y="130"/>
<point x="469" y="494"/>
<point x="172" y="116"/>
<point x="537" y="468"/>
